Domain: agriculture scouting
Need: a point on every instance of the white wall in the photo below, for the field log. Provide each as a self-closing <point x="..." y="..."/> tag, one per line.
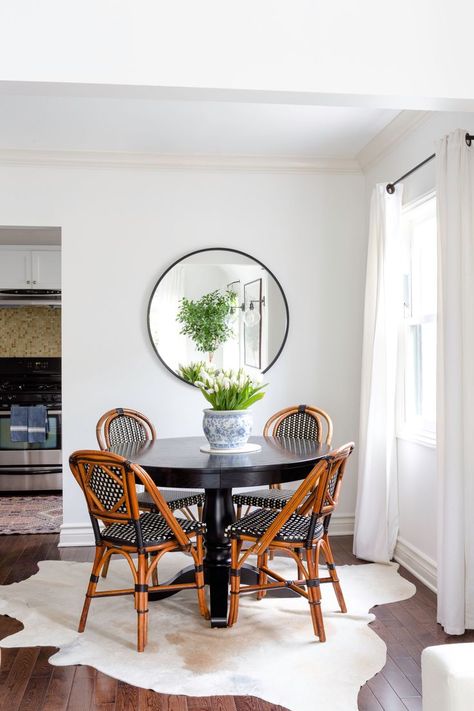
<point x="122" y="227"/>
<point x="416" y="463"/>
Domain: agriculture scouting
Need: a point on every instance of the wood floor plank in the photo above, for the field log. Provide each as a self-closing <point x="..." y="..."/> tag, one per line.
<point x="177" y="703"/>
<point x="222" y="703"/>
<point x="18" y="678"/>
<point x="366" y="701"/>
<point x="35" y="693"/>
<point x="399" y="682"/>
<point x="414" y="704"/>
<point x="127" y="698"/>
<point x="105" y="690"/>
<point x="200" y="704"/>
<point x="57" y="695"/>
<point x="82" y="689"/>
<point x="385" y="694"/>
<point x="251" y="703"/>
<point x="42" y="666"/>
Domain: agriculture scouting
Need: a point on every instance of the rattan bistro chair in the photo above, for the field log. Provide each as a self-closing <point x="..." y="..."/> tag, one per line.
<point x="109" y="485"/>
<point x="302" y="525"/>
<point x="296" y="422"/>
<point x="122" y="426"/>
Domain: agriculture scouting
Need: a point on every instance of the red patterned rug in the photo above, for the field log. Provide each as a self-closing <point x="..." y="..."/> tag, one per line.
<point x="30" y="514"/>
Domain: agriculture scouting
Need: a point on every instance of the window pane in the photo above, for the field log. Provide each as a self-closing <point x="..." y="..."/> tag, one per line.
<point x="424" y="267"/>
<point x="413" y="405"/>
<point x="420" y="296"/>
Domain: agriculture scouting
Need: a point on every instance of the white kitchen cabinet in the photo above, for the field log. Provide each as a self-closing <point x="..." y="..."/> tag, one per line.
<point x="30" y="268"/>
<point x="46" y="269"/>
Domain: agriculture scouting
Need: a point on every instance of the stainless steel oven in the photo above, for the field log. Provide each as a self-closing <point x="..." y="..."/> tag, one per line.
<point x="30" y="466"/>
<point x="26" y="466"/>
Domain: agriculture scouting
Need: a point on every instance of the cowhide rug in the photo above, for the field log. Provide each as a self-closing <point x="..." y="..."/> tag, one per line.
<point x="270" y="653"/>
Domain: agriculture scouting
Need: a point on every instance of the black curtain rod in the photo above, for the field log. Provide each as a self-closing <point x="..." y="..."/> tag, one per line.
<point x="391" y="186"/>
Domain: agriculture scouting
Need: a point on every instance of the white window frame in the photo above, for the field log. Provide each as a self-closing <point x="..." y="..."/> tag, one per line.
<point x="404" y="430"/>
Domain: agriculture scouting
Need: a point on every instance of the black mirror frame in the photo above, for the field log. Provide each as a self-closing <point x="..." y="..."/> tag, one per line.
<point x="214" y="249"/>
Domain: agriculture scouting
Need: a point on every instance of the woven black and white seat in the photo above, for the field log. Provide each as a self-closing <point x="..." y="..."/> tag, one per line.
<point x="175" y="498"/>
<point x="264" y="498"/>
<point x="109" y="485"/>
<point x="123" y="426"/>
<point x="255" y="524"/>
<point x="296" y="422"/>
<point x="299" y="530"/>
<point x="154" y="530"/>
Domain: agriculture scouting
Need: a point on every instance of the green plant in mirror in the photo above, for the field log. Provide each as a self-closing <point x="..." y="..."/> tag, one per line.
<point x="205" y="320"/>
<point x="190" y="372"/>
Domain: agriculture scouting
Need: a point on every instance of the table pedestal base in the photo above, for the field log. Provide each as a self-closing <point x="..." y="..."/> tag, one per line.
<point x="218" y="514"/>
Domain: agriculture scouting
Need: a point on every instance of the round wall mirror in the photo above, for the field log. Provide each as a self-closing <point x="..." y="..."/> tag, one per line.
<point x="217" y="307"/>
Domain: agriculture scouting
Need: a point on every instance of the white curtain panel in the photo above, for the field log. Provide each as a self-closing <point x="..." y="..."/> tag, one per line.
<point x="376" y="523"/>
<point x="455" y="387"/>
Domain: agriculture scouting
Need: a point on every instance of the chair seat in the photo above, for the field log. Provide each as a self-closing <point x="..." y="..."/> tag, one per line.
<point x="264" y="498"/>
<point x="256" y="524"/>
<point x="155" y="530"/>
<point x="174" y="498"/>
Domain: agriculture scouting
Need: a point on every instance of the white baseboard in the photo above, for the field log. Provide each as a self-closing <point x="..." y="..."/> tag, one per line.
<point x="76" y="534"/>
<point x="417" y="563"/>
<point x="341" y="524"/>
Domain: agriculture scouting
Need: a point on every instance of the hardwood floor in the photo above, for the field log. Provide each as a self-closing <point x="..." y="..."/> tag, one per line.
<point x="29" y="683"/>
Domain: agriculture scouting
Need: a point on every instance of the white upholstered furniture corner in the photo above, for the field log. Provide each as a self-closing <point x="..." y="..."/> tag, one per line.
<point x="448" y="677"/>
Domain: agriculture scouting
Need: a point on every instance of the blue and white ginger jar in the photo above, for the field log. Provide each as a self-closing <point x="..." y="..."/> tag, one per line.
<point x="227" y="429"/>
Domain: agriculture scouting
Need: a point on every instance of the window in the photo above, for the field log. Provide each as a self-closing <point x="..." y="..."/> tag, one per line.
<point x="417" y="391"/>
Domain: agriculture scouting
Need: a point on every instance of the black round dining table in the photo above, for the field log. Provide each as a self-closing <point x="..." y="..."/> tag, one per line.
<point x="178" y="462"/>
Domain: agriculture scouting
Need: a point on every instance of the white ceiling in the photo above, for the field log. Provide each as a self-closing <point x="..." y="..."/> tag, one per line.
<point x="180" y="127"/>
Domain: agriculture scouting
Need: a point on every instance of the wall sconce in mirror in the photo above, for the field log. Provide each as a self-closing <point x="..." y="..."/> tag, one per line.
<point x="218" y="307"/>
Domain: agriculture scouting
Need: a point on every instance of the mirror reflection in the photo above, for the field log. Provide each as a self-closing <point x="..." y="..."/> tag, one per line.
<point x="220" y="308"/>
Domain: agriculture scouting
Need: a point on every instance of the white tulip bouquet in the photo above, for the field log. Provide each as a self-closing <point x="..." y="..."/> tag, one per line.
<point x="230" y="389"/>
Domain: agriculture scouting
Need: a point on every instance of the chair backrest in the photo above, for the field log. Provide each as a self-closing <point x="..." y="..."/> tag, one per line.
<point x="109" y="485"/>
<point x="317" y="495"/>
<point x="325" y="497"/>
<point x="121" y="426"/>
<point x="300" y="422"/>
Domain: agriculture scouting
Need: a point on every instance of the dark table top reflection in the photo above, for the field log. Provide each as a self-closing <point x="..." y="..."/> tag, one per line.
<point x="178" y="462"/>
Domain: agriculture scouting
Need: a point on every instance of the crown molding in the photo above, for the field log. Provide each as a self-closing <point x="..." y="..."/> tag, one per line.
<point x="264" y="164"/>
<point x="390" y="136"/>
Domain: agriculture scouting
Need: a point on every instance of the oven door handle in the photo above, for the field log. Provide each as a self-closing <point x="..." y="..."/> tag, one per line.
<point x="53" y="469"/>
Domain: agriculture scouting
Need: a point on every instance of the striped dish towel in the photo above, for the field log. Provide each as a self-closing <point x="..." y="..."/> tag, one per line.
<point x="19" y="423"/>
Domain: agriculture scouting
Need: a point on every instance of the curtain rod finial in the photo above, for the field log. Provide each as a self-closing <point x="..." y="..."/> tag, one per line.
<point x="390" y="188"/>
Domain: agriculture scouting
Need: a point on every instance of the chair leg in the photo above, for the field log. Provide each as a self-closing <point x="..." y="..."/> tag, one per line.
<point x="333" y="572"/>
<point x="192" y="517"/>
<point x="262" y="560"/>
<point x="154" y="575"/>
<point x="234" y="583"/>
<point x="200" y="578"/>
<point x="314" y="592"/>
<point x="105" y="567"/>
<point x="94" y="579"/>
<point x="141" y="602"/>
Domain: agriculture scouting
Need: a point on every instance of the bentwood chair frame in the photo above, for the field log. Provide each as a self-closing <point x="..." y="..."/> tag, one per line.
<point x="301" y="531"/>
<point x="294" y="422"/>
<point x="109" y="485"/>
<point x="122" y="425"/>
